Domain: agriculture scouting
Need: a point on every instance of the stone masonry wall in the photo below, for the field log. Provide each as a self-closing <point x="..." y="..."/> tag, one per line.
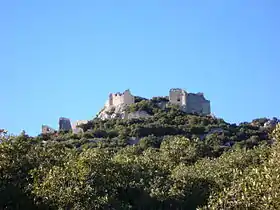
<point x="197" y="103"/>
<point x="116" y="99"/>
<point x="190" y="102"/>
<point x="177" y="96"/>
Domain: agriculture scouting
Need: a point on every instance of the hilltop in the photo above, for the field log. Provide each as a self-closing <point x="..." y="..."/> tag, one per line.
<point x="117" y="103"/>
<point x="127" y="106"/>
<point x="159" y="124"/>
<point x="150" y="121"/>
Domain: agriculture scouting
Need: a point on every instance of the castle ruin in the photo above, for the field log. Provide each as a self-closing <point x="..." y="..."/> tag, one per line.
<point x="190" y="102"/>
<point x="178" y="96"/>
<point x="116" y="99"/>
<point x="64" y="124"/>
<point x="47" y="129"/>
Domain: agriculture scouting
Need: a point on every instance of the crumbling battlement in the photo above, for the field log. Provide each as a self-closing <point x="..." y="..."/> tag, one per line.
<point x="189" y="102"/>
<point x="178" y="96"/>
<point x="116" y="99"/>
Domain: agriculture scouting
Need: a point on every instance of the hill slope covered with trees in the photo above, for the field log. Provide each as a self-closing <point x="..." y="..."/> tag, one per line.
<point x="171" y="160"/>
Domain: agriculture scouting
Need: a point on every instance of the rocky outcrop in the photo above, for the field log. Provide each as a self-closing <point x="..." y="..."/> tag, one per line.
<point x="271" y="123"/>
<point x="138" y="114"/>
<point x="119" y="111"/>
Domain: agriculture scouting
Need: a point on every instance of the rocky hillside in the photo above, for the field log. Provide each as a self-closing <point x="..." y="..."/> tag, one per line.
<point x="120" y="111"/>
<point x="151" y="121"/>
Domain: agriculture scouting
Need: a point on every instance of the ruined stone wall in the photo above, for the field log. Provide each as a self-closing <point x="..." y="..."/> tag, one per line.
<point x="189" y="102"/>
<point x="128" y="98"/>
<point x="196" y="103"/>
<point x="64" y="124"/>
<point x="116" y="99"/>
<point x="178" y="96"/>
<point x="206" y="108"/>
<point x="47" y="129"/>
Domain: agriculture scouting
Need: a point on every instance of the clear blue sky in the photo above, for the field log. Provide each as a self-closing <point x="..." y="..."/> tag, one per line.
<point x="63" y="58"/>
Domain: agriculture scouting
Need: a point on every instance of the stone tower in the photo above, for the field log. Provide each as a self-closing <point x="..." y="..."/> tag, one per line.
<point x="116" y="99"/>
<point x="190" y="102"/>
<point x="64" y="124"/>
<point x="178" y="96"/>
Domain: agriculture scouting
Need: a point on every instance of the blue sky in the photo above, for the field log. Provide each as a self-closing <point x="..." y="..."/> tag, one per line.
<point x="63" y="58"/>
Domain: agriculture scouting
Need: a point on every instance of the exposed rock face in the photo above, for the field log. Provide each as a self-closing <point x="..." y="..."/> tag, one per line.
<point x="110" y="112"/>
<point x="119" y="111"/>
<point x="271" y="123"/>
<point x="75" y="125"/>
<point x="138" y="114"/>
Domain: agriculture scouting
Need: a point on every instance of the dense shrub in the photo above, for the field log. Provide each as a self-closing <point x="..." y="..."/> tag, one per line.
<point x="181" y="161"/>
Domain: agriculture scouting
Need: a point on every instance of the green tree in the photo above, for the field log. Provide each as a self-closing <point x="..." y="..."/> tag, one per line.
<point x="259" y="188"/>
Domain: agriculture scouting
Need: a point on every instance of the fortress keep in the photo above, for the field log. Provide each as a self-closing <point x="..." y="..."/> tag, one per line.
<point x="116" y="99"/>
<point x="190" y="102"/>
<point x="64" y="124"/>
